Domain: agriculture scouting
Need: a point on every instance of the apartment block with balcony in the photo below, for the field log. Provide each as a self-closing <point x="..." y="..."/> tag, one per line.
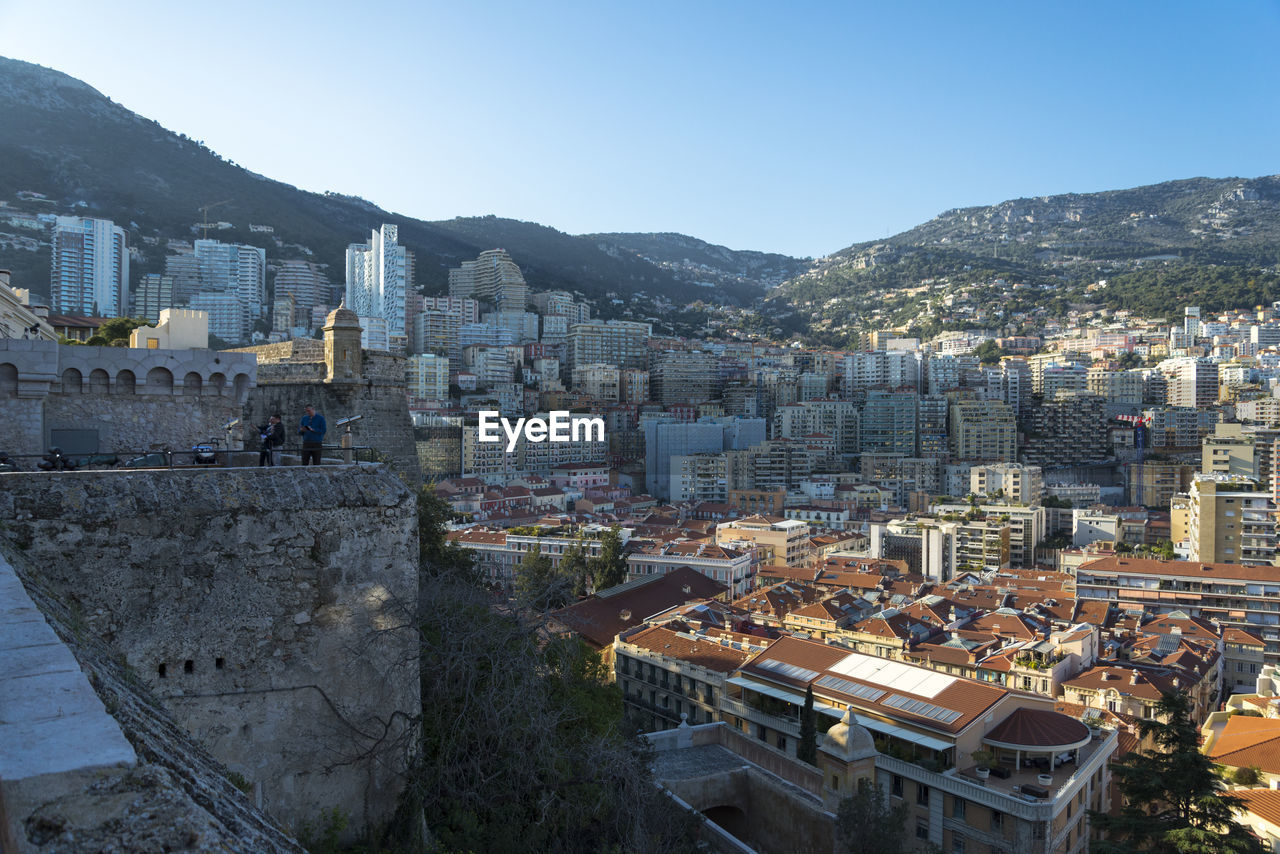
<point x="673" y="673"/>
<point x="920" y="729"/>
<point x="776" y="540"/>
<point x="1230" y="521"/>
<point x="1234" y="595"/>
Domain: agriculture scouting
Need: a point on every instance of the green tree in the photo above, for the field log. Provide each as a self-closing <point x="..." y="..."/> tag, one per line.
<point x="573" y="566"/>
<point x="521" y="742"/>
<point x="115" y="332"/>
<point x="437" y="555"/>
<point x="609" y="568"/>
<point x="807" y="749"/>
<point x="988" y="352"/>
<point x="866" y="824"/>
<point x="1174" y="801"/>
<point x="538" y="585"/>
<point x="521" y="738"/>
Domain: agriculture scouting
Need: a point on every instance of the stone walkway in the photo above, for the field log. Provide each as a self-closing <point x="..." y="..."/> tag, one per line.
<point x="51" y="720"/>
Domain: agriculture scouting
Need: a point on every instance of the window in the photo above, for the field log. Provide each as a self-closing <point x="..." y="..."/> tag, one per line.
<point x="997" y="820"/>
<point x="922" y="830"/>
<point x="957" y="845"/>
<point x="835" y="782"/>
<point x="957" y="808"/>
<point x="922" y="794"/>
<point x="153" y="343"/>
<point x="896" y="790"/>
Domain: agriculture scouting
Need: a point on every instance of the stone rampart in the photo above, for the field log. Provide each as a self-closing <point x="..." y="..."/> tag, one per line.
<point x="118" y="398"/>
<point x="92" y="761"/>
<point x="267" y="608"/>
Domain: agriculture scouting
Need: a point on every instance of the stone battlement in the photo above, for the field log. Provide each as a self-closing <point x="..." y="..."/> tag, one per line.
<point x="108" y="399"/>
<point x="269" y="609"/>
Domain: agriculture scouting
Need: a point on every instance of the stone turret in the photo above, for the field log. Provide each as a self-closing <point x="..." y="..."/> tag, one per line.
<point x="342" y="356"/>
<point x="847" y="754"/>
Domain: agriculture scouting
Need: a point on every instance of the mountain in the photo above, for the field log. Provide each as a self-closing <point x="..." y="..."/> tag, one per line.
<point x="67" y="148"/>
<point x="705" y="263"/>
<point x="1211" y="241"/>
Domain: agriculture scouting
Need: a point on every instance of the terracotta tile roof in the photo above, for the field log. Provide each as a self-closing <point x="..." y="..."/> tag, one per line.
<point x="1145" y="683"/>
<point x="478" y="535"/>
<point x="1249" y="742"/>
<point x="968" y="698"/>
<point x="778" y="600"/>
<point x="1178" y="568"/>
<point x="1235" y="635"/>
<point x="1039" y="728"/>
<point x="705" y="652"/>
<point x="835" y="608"/>
<point x="1264" y="803"/>
<point x="1010" y="624"/>
<point x="1189" y="627"/>
<point x="953" y="650"/>
<point x="599" y="619"/>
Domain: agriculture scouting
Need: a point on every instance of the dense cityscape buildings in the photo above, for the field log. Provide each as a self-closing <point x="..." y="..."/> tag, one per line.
<point x="1063" y="532"/>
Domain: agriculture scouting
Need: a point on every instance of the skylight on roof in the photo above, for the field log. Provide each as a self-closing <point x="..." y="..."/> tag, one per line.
<point x="853" y="689"/>
<point x="892" y="674"/>
<point x="791" y="671"/>
<point x="921" y="708"/>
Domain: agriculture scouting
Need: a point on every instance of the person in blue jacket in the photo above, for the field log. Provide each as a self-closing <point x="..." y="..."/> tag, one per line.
<point x="311" y="428"/>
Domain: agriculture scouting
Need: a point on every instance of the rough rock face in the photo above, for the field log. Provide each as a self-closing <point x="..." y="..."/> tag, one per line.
<point x="177" y="798"/>
<point x="266" y="608"/>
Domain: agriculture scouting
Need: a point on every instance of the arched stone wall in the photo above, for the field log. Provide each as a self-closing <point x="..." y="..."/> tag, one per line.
<point x="8" y="380"/>
<point x="159" y="381"/>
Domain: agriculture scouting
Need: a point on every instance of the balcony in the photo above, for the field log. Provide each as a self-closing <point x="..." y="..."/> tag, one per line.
<point x="786" y="724"/>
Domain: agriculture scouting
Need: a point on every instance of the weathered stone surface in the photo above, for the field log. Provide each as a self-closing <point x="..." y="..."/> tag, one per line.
<point x="136" y="782"/>
<point x="133" y="399"/>
<point x="200" y="579"/>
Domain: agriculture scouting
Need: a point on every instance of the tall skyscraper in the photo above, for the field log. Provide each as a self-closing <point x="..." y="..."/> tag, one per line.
<point x="305" y="283"/>
<point x="492" y="278"/>
<point x="153" y="294"/>
<point x="90" y="267"/>
<point x="378" y="279"/>
<point x="237" y="269"/>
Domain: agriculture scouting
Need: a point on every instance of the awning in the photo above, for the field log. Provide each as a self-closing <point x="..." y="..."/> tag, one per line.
<point x="782" y="694"/>
<point x="877" y="726"/>
<point x="882" y="728"/>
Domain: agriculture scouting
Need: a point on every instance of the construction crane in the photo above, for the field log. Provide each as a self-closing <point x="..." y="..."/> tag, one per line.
<point x="204" y="233"/>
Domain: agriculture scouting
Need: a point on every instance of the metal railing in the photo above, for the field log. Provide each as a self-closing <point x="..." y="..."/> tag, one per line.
<point x="196" y="457"/>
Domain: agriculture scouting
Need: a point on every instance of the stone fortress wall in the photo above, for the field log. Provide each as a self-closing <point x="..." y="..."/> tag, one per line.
<point x="293" y="373"/>
<point x="123" y="399"/>
<point x="267" y="608"/>
<point x="92" y="760"/>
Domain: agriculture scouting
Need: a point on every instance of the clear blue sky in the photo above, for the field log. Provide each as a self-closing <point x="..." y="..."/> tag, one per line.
<point x="798" y="127"/>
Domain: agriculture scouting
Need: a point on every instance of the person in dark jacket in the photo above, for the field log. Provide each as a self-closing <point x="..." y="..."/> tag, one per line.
<point x="272" y="434"/>
<point x="311" y="428"/>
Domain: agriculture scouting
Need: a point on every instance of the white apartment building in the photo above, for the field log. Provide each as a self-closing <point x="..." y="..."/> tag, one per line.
<point x="378" y="279"/>
<point x="427" y="376"/>
<point x="90" y="267"/>
<point x="1020" y="484"/>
